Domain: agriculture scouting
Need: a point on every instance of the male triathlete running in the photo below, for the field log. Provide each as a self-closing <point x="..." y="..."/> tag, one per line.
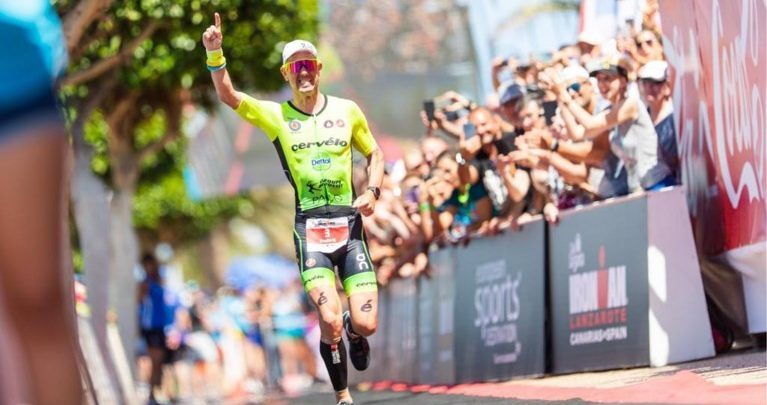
<point x="313" y="134"/>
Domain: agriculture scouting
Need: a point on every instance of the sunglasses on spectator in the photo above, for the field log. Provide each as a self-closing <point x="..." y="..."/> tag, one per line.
<point x="647" y="42"/>
<point x="295" y="67"/>
<point x="576" y="87"/>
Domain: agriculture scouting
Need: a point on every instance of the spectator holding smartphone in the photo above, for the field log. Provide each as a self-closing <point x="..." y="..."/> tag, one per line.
<point x="505" y="185"/>
<point x="634" y="140"/>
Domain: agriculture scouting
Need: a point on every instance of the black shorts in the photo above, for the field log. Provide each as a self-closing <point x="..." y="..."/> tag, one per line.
<point x="355" y="269"/>
<point x="154" y="337"/>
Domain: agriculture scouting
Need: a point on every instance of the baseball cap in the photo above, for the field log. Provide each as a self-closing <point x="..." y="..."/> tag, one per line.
<point x="615" y="63"/>
<point x="656" y="70"/>
<point x="510" y="91"/>
<point x="297" y="45"/>
<point x="573" y="72"/>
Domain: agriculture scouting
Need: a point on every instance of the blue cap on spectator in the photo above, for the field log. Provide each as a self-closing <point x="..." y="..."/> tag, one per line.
<point x="510" y="91"/>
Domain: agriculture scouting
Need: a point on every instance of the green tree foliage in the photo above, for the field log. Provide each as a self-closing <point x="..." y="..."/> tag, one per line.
<point x="140" y="63"/>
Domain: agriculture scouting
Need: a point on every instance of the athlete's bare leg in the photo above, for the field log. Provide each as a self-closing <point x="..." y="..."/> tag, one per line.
<point x="328" y="304"/>
<point x="363" y="308"/>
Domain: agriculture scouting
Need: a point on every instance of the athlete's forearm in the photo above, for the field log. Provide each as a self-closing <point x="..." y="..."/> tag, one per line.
<point x="224" y="88"/>
<point x="375" y="168"/>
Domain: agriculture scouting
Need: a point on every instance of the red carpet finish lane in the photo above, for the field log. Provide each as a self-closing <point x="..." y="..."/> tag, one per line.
<point x="684" y="387"/>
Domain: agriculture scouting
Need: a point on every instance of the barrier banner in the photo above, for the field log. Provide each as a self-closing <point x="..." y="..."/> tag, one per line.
<point x="427" y="334"/>
<point x="402" y="335"/>
<point x="599" y="290"/>
<point x="718" y="51"/>
<point x="378" y="343"/>
<point x="436" y="299"/>
<point x="500" y="306"/>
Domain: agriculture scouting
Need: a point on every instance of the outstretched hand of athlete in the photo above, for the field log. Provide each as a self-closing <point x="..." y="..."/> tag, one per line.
<point x="212" y="37"/>
<point x="365" y="203"/>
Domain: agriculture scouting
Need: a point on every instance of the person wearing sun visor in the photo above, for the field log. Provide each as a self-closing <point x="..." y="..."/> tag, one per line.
<point x="313" y="134"/>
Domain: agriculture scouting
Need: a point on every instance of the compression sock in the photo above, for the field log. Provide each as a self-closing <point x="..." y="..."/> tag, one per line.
<point x="334" y="356"/>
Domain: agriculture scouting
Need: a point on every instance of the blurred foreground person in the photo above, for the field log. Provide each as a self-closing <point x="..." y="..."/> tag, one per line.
<point x="32" y="209"/>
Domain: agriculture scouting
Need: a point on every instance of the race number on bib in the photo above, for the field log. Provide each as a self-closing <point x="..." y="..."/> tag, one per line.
<point x="326" y="235"/>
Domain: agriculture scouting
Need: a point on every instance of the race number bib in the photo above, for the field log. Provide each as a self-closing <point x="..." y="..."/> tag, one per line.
<point x="326" y="235"/>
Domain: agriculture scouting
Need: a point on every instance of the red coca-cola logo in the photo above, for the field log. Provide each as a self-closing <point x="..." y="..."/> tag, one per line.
<point x="738" y="90"/>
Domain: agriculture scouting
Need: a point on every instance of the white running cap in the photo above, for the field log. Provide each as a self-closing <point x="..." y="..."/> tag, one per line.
<point x="656" y="70"/>
<point x="571" y="73"/>
<point x="297" y="46"/>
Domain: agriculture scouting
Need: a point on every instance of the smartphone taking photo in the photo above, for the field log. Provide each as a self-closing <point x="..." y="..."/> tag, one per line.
<point x="428" y="108"/>
<point x="469" y="130"/>
<point x="549" y="110"/>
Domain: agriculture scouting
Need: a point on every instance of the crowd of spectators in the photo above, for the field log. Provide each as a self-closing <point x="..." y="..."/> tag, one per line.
<point x="592" y="122"/>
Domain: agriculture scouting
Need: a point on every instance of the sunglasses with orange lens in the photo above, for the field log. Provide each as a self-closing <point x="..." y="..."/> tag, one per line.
<point x="295" y="67"/>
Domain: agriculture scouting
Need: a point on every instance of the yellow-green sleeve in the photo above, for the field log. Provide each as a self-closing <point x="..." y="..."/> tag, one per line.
<point x="362" y="138"/>
<point x="265" y="115"/>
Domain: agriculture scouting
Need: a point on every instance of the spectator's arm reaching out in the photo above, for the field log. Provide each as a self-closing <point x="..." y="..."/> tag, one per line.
<point x="592" y="152"/>
<point x="467" y="173"/>
<point x="433" y="222"/>
<point x="441" y="122"/>
<point x="497" y="66"/>
<point x="399" y="210"/>
<point x="575" y="131"/>
<point x="517" y="182"/>
<point x="484" y="213"/>
<point x="573" y="173"/>
<point x="594" y="125"/>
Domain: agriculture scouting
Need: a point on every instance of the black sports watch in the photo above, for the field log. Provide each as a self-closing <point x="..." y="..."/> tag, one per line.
<point x="376" y="191"/>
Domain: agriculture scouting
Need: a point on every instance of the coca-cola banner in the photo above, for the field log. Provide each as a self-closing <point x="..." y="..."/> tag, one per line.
<point x="500" y="306"/>
<point x="718" y="50"/>
<point x="599" y="289"/>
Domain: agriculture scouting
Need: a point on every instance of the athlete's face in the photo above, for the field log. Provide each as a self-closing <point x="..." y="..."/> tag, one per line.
<point x="302" y="72"/>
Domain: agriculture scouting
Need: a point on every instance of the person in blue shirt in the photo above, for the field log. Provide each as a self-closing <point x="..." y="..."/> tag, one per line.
<point x="153" y="318"/>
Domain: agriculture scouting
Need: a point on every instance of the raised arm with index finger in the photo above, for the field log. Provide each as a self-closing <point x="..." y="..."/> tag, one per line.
<point x="212" y="39"/>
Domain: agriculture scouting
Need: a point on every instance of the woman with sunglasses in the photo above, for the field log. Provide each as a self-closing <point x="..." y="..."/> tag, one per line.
<point x="631" y="132"/>
<point x="313" y="134"/>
